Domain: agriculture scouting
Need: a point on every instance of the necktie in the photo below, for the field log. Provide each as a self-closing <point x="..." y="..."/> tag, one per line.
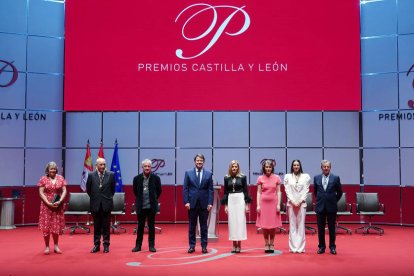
<point x="325" y="182"/>
<point x="101" y="177"/>
<point x="198" y="177"/>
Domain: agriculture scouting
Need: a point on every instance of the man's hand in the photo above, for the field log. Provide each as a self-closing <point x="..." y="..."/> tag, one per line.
<point x="209" y="207"/>
<point x="187" y="206"/>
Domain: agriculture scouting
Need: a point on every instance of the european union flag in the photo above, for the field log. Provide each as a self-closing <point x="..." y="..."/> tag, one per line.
<point x="116" y="168"/>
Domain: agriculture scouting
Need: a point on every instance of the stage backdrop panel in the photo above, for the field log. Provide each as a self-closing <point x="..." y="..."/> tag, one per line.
<point x="40" y="21"/>
<point x="14" y="16"/>
<point x="194" y="129"/>
<point x="341" y="129"/>
<point x="128" y="161"/>
<point x="406" y="88"/>
<point x="44" y="91"/>
<point x="11" y="167"/>
<point x="378" y="18"/>
<point x="13" y="128"/>
<point x="12" y="96"/>
<point x="36" y="160"/>
<point x="377" y="131"/>
<point x="46" y="132"/>
<point x="81" y="127"/>
<point x="380" y="91"/>
<point x="405" y="16"/>
<point x="407" y="161"/>
<point x="121" y="126"/>
<point x="157" y="129"/>
<point x="372" y="48"/>
<point x="345" y="163"/>
<point x="243" y="55"/>
<point x="267" y="129"/>
<point x="42" y="53"/>
<point x="405" y="52"/>
<point x="381" y="167"/>
<point x="231" y="129"/>
<point x="304" y="129"/>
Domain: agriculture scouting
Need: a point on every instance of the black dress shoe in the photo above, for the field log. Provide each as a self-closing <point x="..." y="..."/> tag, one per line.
<point x="191" y="250"/>
<point x="152" y="249"/>
<point x="136" y="249"/>
<point x="106" y="249"/>
<point x="321" y="250"/>
<point x="95" y="249"/>
<point x="333" y="251"/>
<point x="204" y="250"/>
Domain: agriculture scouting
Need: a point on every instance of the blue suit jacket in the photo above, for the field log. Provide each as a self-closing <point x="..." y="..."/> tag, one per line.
<point x="193" y="192"/>
<point x="326" y="201"/>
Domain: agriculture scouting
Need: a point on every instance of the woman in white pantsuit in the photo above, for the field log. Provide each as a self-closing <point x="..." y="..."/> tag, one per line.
<point x="296" y="188"/>
<point x="236" y="200"/>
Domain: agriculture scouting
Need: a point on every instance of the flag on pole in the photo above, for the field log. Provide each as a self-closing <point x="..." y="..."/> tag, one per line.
<point x="101" y="153"/>
<point x="116" y="168"/>
<point x="87" y="167"/>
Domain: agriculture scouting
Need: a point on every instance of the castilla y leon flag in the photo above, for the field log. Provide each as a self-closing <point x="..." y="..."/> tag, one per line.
<point x="101" y="152"/>
<point x="87" y="167"/>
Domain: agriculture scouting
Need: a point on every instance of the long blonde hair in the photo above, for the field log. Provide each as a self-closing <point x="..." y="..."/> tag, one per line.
<point x="238" y="173"/>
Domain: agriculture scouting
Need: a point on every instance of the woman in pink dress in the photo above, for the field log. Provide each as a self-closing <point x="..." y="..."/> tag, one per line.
<point x="52" y="191"/>
<point x="268" y="204"/>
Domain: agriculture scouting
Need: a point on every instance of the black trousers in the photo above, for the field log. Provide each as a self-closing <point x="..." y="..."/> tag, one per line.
<point x="101" y="227"/>
<point x="321" y="220"/>
<point x="202" y="215"/>
<point x="149" y="216"/>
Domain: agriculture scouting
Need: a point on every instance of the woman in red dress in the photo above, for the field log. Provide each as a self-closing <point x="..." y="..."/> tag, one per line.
<point x="52" y="191"/>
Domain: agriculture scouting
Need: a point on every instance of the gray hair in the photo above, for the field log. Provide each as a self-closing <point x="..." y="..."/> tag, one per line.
<point x="146" y="161"/>
<point x="51" y="164"/>
<point x="323" y="162"/>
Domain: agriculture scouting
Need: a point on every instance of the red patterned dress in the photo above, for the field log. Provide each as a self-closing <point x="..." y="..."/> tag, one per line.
<point x="51" y="220"/>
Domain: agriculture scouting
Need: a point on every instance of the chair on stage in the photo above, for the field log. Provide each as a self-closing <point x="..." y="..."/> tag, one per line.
<point x="283" y="212"/>
<point x="79" y="205"/>
<point x="310" y="211"/>
<point x="367" y="204"/>
<point x="344" y="209"/>
<point x="118" y="210"/>
<point x="134" y="212"/>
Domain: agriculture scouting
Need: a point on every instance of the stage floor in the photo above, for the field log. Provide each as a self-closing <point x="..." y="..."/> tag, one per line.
<point x="22" y="254"/>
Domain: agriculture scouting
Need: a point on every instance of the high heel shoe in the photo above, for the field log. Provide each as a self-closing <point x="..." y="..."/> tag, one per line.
<point x="271" y="248"/>
<point x="267" y="249"/>
<point x="57" y="250"/>
<point x="47" y="251"/>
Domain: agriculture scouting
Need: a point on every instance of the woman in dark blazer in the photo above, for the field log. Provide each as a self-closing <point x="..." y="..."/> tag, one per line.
<point x="147" y="190"/>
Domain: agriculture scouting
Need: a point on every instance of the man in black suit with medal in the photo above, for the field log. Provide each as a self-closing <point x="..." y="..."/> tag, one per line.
<point x="328" y="191"/>
<point x="100" y="187"/>
<point x="147" y="190"/>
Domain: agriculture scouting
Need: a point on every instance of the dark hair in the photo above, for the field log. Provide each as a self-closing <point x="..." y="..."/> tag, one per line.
<point x="268" y="162"/>
<point x="200" y="156"/>
<point x="300" y="164"/>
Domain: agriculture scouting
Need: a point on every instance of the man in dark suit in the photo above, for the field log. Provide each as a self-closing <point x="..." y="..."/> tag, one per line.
<point x="147" y="190"/>
<point x="198" y="195"/>
<point x="328" y="191"/>
<point x="100" y="187"/>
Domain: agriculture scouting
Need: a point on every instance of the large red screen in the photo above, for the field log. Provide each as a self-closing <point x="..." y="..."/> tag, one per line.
<point x="217" y="55"/>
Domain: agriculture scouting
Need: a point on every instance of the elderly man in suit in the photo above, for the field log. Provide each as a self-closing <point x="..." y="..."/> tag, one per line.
<point x="198" y="195"/>
<point x="328" y="191"/>
<point x="100" y="187"/>
<point x="147" y="190"/>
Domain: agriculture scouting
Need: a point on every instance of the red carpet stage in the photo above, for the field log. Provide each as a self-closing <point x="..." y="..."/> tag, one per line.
<point x="22" y="254"/>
